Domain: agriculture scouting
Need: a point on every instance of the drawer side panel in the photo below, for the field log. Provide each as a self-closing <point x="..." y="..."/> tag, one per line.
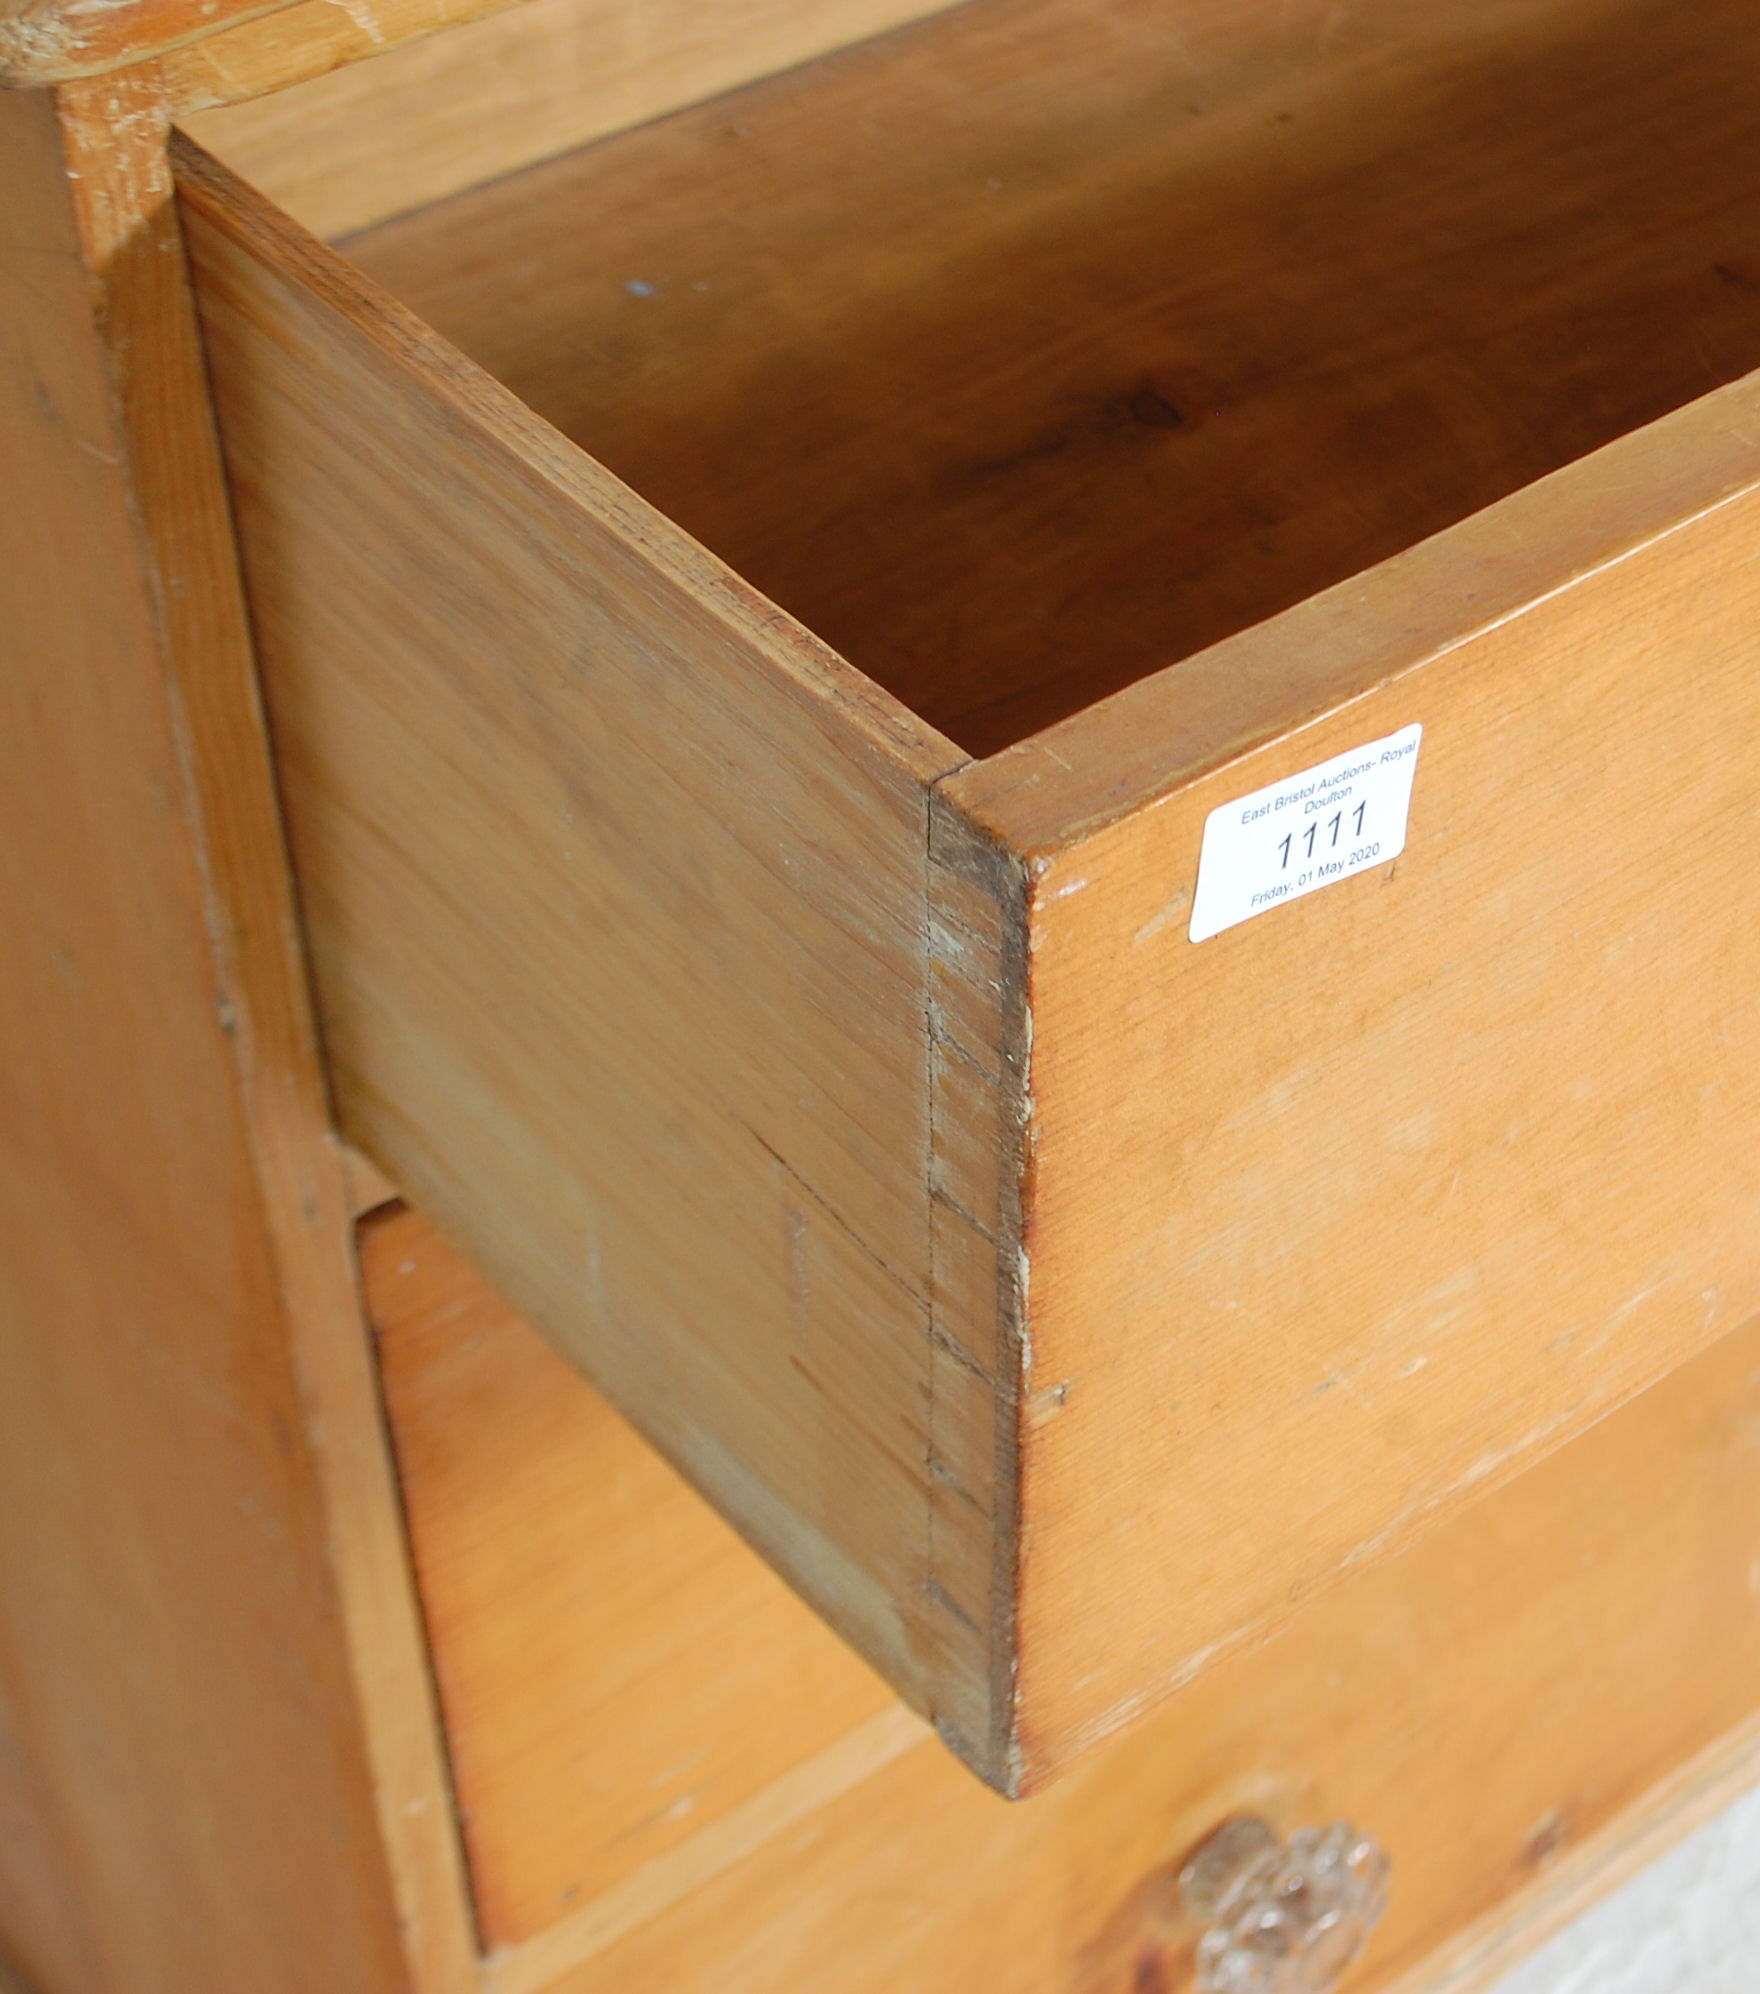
<point x="614" y="889"/>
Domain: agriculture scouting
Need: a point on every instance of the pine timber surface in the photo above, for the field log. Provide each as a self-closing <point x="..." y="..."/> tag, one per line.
<point x="341" y="143"/>
<point x="1348" y="1213"/>
<point x="1167" y="1286"/>
<point x="116" y="128"/>
<point x="614" y="885"/>
<point x="188" y="1801"/>
<point x="1517" y="1697"/>
<point x="287" y="1137"/>
<point x="669" y="1674"/>
<point x="44" y="42"/>
<point x="1093" y="334"/>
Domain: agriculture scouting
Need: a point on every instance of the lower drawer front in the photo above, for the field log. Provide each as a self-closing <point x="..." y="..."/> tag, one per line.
<point x="672" y="1777"/>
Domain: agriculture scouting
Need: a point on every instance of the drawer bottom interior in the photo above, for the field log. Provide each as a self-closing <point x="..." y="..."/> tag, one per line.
<point x="1027" y="350"/>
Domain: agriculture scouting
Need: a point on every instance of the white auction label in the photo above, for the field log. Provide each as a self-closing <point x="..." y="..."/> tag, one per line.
<point x="1305" y="832"/>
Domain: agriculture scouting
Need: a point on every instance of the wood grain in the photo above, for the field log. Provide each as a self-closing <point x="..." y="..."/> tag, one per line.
<point x="1578" y="1878"/>
<point x="615" y="887"/>
<point x="1234" y="1340"/>
<point x="187" y="1799"/>
<point x="1342" y="1217"/>
<point x="115" y="129"/>
<point x="44" y="42"/>
<point x="300" y="41"/>
<point x="1543" y="1681"/>
<point x="668" y="1677"/>
<point x="979" y="1120"/>
<point x="1237" y="1376"/>
<point x="341" y="146"/>
<point x="788" y="1802"/>
<point x="1093" y="335"/>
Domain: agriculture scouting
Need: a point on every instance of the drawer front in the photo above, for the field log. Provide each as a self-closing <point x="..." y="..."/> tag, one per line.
<point x="1344" y="1213"/>
<point x="1058" y="1303"/>
<point x="672" y="1777"/>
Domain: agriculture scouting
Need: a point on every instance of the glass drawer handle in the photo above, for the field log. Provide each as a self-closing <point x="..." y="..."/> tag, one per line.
<point x="1282" y="1917"/>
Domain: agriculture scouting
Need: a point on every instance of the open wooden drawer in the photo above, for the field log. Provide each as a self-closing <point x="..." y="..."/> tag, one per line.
<point x="818" y="1051"/>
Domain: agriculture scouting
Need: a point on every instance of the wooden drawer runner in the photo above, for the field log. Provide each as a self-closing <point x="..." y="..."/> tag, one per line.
<point x="672" y="1777"/>
<point x="819" y="1056"/>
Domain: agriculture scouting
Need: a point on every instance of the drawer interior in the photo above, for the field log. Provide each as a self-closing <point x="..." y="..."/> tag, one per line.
<point x="1029" y="349"/>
